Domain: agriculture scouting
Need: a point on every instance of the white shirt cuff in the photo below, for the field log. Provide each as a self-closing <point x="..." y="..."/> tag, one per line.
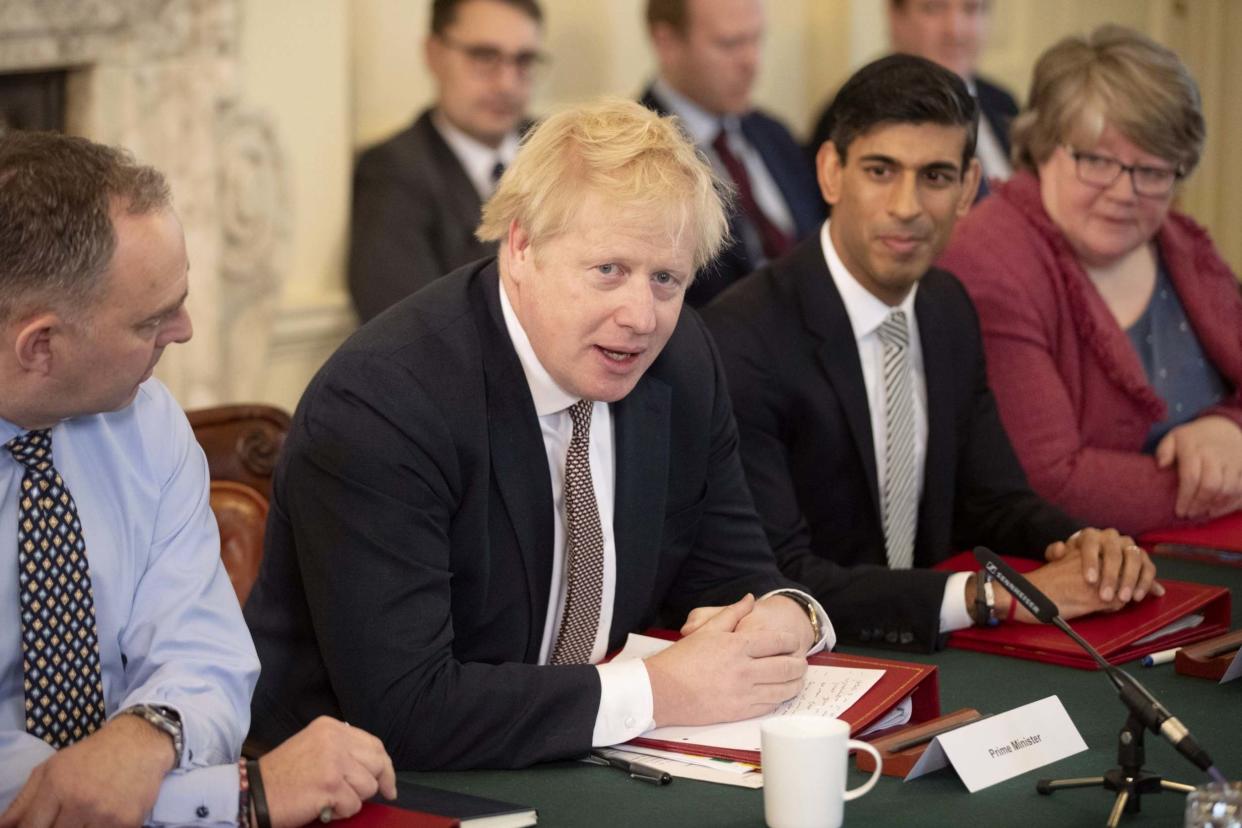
<point x="954" y="614"/>
<point x="827" y="635"/>
<point x="202" y="796"/>
<point x="626" y="707"/>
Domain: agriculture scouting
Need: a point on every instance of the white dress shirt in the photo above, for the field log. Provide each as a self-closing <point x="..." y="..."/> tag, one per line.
<point x="477" y="158"/>
<point x="866" y="313"/>
<point x="626" y="706"/>
<point x="702" y="127"/>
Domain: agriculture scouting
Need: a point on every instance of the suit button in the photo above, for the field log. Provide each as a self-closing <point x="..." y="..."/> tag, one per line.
<point x="201" y="812"/>
<point x="891" y="637"/>
<point x="864" y="634"/>
<point x="907" y="637"/>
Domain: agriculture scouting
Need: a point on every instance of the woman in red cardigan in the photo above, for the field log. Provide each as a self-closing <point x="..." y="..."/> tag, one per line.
<point x="1113" y="328"/>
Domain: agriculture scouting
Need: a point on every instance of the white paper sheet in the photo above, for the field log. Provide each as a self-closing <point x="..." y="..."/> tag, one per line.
<point x="827" y="692"/>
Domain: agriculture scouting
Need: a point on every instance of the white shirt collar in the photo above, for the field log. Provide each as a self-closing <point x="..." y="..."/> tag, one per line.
<point x="548" y="396"/>
<point x="700" y="124"/>
<point x="477" y="158"/>
<point x="866" y="312"/>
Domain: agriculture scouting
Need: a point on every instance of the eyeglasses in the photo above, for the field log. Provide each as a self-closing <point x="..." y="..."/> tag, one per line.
<point x="487" y="61"/>
<point x="1103" y="170"/>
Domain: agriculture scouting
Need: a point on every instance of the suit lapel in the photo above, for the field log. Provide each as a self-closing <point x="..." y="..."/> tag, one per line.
<point x="939" y="381"/>
<point x="823" y="314"/>
<point x="519" y="460"/>
<point x="458" y="193"/>
<point x="641" y="427"/>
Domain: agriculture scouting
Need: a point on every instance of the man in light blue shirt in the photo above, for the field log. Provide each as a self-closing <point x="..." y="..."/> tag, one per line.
<point x="125" y="666"/>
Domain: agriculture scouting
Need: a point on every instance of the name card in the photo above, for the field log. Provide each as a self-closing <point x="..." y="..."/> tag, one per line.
<point x="1235" y="668"/>
<point x="1001" y="747"/>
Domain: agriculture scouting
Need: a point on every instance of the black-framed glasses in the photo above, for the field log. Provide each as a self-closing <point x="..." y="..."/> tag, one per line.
<point x="488" y="60"/>
<point x="1103" y="170"/>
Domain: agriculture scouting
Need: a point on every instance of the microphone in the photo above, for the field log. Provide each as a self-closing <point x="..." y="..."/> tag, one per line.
<point x="1154" y="716"/>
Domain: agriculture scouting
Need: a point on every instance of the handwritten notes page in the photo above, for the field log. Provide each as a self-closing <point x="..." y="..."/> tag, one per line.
<point x="828" y="692"/>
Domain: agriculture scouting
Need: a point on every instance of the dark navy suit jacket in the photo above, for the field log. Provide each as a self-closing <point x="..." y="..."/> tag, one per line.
<point x="794" y="177"/>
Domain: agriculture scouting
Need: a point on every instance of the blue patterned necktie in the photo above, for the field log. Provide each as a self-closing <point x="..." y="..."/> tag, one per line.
<point x="60" y="647"/>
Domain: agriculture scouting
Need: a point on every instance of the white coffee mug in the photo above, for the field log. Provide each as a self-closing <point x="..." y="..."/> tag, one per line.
<point x="804" y="760"/>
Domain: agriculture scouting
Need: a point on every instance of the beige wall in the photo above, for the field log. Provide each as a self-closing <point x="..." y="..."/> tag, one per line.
<point x="336" y="75"/>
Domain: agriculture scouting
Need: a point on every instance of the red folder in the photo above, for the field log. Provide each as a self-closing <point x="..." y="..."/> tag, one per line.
<point x="375" y="815"/>
<point x="901" y="678"/>
<point x="1113" y="634"/>
<point x="1217" y="541"/>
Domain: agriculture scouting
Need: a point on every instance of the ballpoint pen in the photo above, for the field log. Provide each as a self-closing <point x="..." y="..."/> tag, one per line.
<point x="636" y="770"/>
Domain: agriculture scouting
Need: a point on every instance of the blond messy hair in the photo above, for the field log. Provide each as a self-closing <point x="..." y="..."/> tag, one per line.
<point x="641" y="161"/>
<point x="1112" y="76"/>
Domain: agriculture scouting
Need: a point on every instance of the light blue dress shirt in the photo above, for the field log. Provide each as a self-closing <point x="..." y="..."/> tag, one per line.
<point x="170" y="628"/>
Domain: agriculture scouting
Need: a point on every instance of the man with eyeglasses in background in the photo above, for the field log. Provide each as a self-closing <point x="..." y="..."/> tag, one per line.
<point x="418" y="196"/>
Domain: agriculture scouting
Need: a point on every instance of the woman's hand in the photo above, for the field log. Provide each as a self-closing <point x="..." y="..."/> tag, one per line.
<point x="1208" y="453"/>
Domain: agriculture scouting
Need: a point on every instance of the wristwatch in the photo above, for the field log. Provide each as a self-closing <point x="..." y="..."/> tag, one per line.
<point x="165" y="719"/>
<point x="985" y="601"/>
<point x="813" y="616"/>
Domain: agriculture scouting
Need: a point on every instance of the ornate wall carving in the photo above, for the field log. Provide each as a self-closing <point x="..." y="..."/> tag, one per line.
<point x="160" y="77"/>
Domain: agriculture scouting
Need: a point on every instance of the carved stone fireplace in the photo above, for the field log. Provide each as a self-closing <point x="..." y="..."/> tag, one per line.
<point x="160" y="77"/>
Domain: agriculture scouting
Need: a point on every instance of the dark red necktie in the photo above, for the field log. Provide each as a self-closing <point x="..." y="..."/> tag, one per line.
<point x="776" y="242"/>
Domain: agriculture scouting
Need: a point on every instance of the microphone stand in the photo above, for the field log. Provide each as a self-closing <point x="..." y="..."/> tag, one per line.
<point x="1129" y="780"/>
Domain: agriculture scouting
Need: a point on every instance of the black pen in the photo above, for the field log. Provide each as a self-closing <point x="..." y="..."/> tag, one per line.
<point x="636" y="770"/>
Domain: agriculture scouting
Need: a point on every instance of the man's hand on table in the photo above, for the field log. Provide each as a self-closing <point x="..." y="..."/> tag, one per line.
<point x="110" y="778"/>
<point x="328" y="764"/>
<point x="727" y="667"/>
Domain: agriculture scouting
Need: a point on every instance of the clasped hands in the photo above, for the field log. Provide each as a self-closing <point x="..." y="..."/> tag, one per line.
<point x="1091" y="571"/>
<point x="734" y="662"/>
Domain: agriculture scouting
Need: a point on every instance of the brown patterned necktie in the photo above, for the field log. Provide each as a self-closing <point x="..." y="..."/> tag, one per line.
<point x="60" y="647"/>
<point x="584" y="547"/>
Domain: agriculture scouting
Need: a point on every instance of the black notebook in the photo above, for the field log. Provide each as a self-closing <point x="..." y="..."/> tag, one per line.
<point x="471" y="811"/>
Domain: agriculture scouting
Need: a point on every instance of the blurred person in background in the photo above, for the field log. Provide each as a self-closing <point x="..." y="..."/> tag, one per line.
<point x="708" y="53"/>
<point x="418" y="195"/>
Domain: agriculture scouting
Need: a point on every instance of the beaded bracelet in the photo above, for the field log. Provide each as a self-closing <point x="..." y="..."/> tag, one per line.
<point x="243" y="796"/>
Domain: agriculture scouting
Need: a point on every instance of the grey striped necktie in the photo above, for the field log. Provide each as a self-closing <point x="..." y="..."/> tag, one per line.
<point x="900" y="486"/>
<point x="584" y="547"/>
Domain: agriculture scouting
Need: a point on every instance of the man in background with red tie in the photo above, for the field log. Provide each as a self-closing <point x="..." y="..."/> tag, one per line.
<point x="125" y="667"/>
<point x="486" y="489"/>
<point x="708" y="52"/>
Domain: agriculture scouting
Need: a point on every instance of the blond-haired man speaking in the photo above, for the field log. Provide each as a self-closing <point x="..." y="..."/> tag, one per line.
<point x="487" y="488"/>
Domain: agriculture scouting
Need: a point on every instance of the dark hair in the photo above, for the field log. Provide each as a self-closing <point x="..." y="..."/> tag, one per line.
<point x="444" y="12"/>
<point x="669" y="12"/>
<point x="57" y="194"/>
<point x="902" y="89"/>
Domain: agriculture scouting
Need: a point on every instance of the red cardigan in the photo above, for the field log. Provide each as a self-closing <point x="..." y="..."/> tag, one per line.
<point x="1071" y="389"/>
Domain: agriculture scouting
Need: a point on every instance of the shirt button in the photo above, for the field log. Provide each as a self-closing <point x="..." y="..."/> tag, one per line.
<point x="201" y="812"/>
<point x="629" y="721"/>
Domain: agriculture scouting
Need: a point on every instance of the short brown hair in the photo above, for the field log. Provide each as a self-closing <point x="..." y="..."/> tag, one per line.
<point x="444" y="12"/>
<point x="57" y="196"/>
<point x="669" y="12"/>
<point x="1112" y="76"/>
<point x="621" y="149"/>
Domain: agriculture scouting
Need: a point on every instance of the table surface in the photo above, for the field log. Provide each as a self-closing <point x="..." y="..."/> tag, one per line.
<point x="574" y="794"/>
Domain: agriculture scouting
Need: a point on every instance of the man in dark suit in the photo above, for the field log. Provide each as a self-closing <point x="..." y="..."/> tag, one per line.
<point x="952" y="33"/>
<point x="486" y="489"/>
<point x="869" y="436"/>
<point x="708" y="53"/>
<point x="417" y="196"/>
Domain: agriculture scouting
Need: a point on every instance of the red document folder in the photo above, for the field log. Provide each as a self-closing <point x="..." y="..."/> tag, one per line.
<point x="900" y="679"/>
<point x="375" y="815"/>
<point x="1217" y="541"/>
<point x="1113" y="634"/>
